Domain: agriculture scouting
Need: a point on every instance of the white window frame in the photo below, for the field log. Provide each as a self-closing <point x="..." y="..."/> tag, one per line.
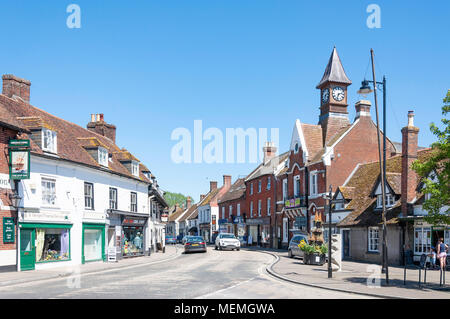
<point x="373" y="243"/>
<point x="230" y="211"/>
<point x="259" y="208"/>
<point x="103" y="156"/>
<point x="268" y="183"/>
<point x="251" y="188"/>
<point x="422" y="240"/>
<point x="259" y="186"/>
<point x="48" y="193"/>
<point x="135" y="168"/>
<point x="251" y="209"/>
<point x="223" y="212"/>
<point x="390" y="200"/>
<point x="268" y="206"/>
<point x="49" y="140"/>
<point x="314" y="184"/>
<point x="239" y="209"/>
<point x="113" y="200"/>
<point x="297" y="186"/>
<point x="133" y="204"/>
<point x="285" y="189"/>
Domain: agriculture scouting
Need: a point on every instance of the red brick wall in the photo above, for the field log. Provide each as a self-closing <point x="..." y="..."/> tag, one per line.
<point x="263" y="196"/>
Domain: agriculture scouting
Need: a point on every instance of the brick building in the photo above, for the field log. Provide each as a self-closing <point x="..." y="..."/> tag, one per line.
<point x="325" y="154"/>
<point x="232" y="208"/>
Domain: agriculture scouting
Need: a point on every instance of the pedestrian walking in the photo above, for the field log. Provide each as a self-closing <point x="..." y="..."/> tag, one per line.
<point x="432" y="256"/>
<point x="442" y="252"/>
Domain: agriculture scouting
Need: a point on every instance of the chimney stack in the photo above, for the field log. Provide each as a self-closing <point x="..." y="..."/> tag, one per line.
<point x="269" y="150"/>
<point x="188" y="202"/>
<point x="409" y="155"/>
<point x="227" y="181"/>
<point x="212" y="185"/>
<point x="14" y="86"/>
<point x="99" y="126"/>
<point x="363" y="109"/>
<point x="202" y="197"/>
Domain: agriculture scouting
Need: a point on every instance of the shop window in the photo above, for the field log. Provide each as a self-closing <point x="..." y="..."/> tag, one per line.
<point x="48" y="191"/>
<point x="112" y="198"/>
<point x="373" y="239"/>
<point x="89" y="195"/>
<point x="52" y="244"/>
<point x="133" y="202"/>
<point x="422" y="240"/>
<point x="93" y="244"/>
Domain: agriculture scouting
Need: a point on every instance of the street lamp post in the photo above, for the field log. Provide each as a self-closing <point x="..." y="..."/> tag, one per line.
<point x="15" y="201"/>
<point x="330" y="270"/>
<point x="364" y="90"/>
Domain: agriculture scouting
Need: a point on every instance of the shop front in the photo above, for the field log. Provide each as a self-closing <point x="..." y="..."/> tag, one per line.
<point x="426" y="236"/>
<point x="41" y="243"/>
<point x="93" y="242"/>
<point x="205" y="231"/>
<point x="133" y="236"/>
<point x="258" y="230"/>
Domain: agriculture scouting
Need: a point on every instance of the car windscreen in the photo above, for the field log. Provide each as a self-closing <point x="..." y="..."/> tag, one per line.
<point x="194" y="239"/>
<point x="228" y="236"/>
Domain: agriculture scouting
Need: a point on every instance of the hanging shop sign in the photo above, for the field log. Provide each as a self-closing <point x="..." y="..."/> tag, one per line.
<point x="8" y="230"/>
<point x="19" y="156"/>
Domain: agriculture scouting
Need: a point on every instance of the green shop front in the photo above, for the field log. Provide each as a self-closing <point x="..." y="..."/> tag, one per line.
<point x="42" y="243"/>
<point x="93" y="242"/>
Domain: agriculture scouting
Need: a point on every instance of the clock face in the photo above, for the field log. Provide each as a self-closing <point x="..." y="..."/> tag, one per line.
<point x="338" y="93"/>
<point x="325" y="95"/>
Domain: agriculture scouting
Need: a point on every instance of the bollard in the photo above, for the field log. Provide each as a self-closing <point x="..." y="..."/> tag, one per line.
<point x="404" y="276"/>
<point x="425" y="276"/>
<point x="420" y="277"/>
<point x="440" y="277"/>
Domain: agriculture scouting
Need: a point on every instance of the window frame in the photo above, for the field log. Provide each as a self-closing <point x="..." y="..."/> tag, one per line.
<point x="268" y="183"/>
<point x="47" y="194"/>
<point x="53" y="140"/>
<point x="113" y="200"/>
<point x="297" y="186"/>
<point x="269" y="204"/>
<point x="131" y="202"/>
<point x="103" y="160"/>
<point x="372" y="241"/>
<point x="92" y="196"/>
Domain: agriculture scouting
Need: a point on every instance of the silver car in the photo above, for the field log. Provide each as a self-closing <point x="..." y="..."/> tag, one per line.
<point x="293" y="249"/>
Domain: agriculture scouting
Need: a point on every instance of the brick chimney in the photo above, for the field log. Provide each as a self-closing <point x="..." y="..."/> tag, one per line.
<point x="409" y="154"/>
<point x="269" y="150"/>
<point x="99" y="126"/>
<point x="362" y="109"/>
<point x="212" y="185"/>
<point x="14" y="86"/>
<point x="188" y="202"/>
<point x="227" y="181"/>
<point x="202" y="197"/>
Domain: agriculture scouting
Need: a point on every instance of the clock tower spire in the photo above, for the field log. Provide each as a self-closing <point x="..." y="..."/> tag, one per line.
<point x="333" y="97"/>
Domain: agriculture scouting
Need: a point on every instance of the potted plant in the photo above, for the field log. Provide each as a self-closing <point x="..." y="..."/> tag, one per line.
<point x="313" y="254"/>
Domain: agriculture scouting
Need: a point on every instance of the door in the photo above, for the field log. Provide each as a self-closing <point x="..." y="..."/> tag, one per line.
<point x="346" y="243"/>
<point x="27" y="249"/>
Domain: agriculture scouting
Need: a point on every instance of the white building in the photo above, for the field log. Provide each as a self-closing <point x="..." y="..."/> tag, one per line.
<point x="86" y="198"/>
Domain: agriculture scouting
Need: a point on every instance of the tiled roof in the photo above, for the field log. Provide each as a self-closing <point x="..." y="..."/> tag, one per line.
<point x="347" y="192"/>
<point x="313" y="138"/>
<point x="318" y="156"/>
<point x="70" y="137"/>
<point x="188" y="212"/>
<point x="269" y="168"/>
<point x="173" y="216"/>
<point x="8" y="119"/>
<point x="363" y="182"/>
<point x="237" y="190"/>
<point x="334" y="72"/>
<point x="209" y="197"/>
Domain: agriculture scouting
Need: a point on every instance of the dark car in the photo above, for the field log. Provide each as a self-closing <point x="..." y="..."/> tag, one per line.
<point x="194" y="243"/>
<point x="171" y="240"/>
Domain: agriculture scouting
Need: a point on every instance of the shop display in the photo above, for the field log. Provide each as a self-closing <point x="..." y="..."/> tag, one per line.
<point x="52" y="244"/>
<point x="132" y="241"/>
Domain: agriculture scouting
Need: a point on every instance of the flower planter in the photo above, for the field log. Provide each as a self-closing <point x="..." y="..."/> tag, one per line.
<point x="314" y="259"/>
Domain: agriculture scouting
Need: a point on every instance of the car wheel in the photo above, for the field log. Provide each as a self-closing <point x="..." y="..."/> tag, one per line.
<point x="220" y="247"/>
<point x="290" y="254"/>
<point x="238" y="249"/>
<point x="215" y="247"/>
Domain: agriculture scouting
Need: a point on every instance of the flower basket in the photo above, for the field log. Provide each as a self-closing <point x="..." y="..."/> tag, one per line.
<point x="313" y="254"/>
<point x="314" y="259"/>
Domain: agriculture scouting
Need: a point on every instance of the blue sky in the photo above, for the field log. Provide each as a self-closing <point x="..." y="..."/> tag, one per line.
<point x="152" y="66"/>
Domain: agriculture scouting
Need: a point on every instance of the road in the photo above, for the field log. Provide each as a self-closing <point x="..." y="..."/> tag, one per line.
<point x="215" y="274"/>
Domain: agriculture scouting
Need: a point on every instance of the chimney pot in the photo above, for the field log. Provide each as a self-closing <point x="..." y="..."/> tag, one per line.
<point x="410" y="118"/>
<point x="269" y="150"/>
<point x="362" y="108"/>
<point x="212" y="185"/>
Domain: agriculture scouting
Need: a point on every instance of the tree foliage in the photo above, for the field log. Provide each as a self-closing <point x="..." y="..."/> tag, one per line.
<point x="439" y="165"/>
<point x="175" y="198"/>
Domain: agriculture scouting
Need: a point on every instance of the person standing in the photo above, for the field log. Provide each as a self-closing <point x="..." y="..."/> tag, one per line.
<point x="442" y="252"/>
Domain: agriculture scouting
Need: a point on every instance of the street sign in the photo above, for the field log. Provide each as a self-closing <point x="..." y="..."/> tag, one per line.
<point x="8" y="230"/>
<point x="19" y="156"/>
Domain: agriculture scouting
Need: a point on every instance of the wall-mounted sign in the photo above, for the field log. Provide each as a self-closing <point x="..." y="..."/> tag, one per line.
<point x="19" y="157"/>
<point x="8" y="230"/>
<point x="133" y="221"/>
<point x="294" y="202"/>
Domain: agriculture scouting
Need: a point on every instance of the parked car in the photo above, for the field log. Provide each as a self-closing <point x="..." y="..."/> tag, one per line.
<point x="171" y="240"/>
<point x="194" y="243"/>
<point x="183" y="241"/>
<point x="227" y="241"/>
<point x="293" y="249"/>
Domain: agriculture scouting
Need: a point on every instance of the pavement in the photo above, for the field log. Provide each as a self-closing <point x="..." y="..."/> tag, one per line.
<point x="14" y="277"/>
<point x="358" y="278"/>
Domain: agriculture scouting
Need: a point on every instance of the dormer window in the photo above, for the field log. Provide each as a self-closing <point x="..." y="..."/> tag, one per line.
<point x="103" y="156"/>
<point x="49" y="140"/>
<point x="135" y="168"/>
<point x="389" y="201"/>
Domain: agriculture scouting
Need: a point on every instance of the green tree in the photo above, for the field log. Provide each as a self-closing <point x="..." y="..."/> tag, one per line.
<point x="438" y="163"/>
<point x="175" y="198"/>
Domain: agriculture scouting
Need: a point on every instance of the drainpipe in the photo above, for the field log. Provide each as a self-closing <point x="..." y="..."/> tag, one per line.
<point x="308" y="217"/>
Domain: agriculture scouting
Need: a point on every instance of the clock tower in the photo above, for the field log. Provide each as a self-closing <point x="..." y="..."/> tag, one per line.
<point x="333" y="98"/>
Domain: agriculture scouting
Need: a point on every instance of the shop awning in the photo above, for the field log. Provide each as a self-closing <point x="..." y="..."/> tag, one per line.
<point x="293" y="212"/>
<point x="126" y="213"/>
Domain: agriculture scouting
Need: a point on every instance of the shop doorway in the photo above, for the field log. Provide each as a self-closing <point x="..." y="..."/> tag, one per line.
<point x="27" y="249"/>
